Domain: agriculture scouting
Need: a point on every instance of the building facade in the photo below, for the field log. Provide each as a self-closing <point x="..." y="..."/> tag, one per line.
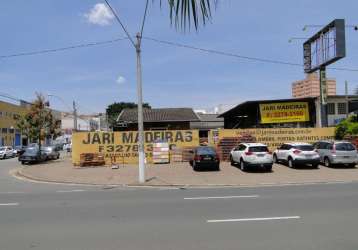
<point x="84" y="123"/>
<point x="9" y="134"/>
<point x="338" y="108"/>
<point x="309" y="87"/>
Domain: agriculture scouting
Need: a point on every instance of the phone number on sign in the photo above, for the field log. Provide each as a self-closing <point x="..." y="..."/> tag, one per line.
<point x="122" y="148"/>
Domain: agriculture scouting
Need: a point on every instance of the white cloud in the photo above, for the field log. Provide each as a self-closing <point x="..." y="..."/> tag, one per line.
<point x="121" y="80"/>
<point x="100" y="14"/>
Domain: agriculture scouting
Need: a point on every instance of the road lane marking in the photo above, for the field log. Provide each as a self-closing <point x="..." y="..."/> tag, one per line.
<point x="9" y="204"/>
<point x="255" y="219"/>
<point x="70" y="191"/>
<point x="221" y="197"/>
<point x="12" y="192"/>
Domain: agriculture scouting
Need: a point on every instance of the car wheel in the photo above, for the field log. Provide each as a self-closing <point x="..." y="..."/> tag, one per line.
<point x="22" y="162"/>
<point x="58" y="157"/>
<point x="269" y="168"/>
<point x="316" y="165"/>
<point x="290" y="162"/>
<point x="232" y="162"/>
<point x="242" y="165"/>
<point x="352" y="165"/>
<point x="275" y="160"/>
<point x="195" y="167"/>
<point x="327" y="162"/>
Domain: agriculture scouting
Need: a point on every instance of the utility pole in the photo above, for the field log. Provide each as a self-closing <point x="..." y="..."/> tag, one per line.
<point x="347" y="101"/>
<point x="74" y="117"/>
<point x="323" y="96"/>
<point x="140" y="111"/>
<point x="137" y="46"/>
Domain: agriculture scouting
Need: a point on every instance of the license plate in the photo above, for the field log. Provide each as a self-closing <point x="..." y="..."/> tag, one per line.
<point x="207" y="158"/>
<point x="346" y="157"/>
<point x="308" y="156"/>
<point x="260" y="155"/>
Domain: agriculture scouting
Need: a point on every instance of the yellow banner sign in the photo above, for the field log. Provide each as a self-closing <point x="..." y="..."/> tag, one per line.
<point x="276" y="136"/>
<point x="122" y="147"/>
<point x="284" y="112"/>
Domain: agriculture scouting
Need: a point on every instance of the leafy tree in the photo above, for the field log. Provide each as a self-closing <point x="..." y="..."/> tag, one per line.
<point x="116" y="108"/>
<point x="347" y="127"/>
<point x="38" y="123"/>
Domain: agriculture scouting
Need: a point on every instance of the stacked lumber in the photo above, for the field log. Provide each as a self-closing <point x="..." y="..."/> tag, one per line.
<point x="176" y="155"/>
<point x="226" y="144"/>
<point x="91" y="159"/>
<point x="160" y="152"/>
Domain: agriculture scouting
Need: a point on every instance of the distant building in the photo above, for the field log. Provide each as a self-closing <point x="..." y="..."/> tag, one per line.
<point x="309" y="87"/>
<point x="9" y="134"/>
<point x="84" y="123"/>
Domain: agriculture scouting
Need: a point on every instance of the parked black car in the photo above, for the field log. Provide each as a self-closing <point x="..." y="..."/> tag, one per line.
<point x="205" y="158"/>
<point x="32" y="155"/>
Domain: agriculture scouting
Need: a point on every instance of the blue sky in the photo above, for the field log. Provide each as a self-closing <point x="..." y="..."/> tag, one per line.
<point x="172" y="77"/>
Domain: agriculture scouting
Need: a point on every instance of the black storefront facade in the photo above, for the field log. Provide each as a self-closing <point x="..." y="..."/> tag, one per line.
<point x="247" y="115"/>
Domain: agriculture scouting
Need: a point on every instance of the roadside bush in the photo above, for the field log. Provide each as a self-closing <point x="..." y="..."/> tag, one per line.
<point x="347" y="127"/>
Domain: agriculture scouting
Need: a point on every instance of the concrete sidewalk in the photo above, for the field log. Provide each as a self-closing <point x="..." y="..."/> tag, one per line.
<point x="181" y="174"/>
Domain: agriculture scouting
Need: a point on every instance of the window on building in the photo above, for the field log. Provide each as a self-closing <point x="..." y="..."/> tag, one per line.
<point x="4" y="130"/>
<point x="331" y="109"/>
<point x="342" y="108"/>
<point x="11" y="130"/>
<point x="0" y="113"/>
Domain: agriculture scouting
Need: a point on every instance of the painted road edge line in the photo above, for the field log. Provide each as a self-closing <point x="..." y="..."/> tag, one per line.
<point x="70" y="191"/>
<point x="222" y="197"/>
<point x="9" y="204"/>
<point x="255" y="219"/>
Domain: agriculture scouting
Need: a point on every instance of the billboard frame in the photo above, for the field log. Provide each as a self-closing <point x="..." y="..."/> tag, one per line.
<point x="340" y="45"/>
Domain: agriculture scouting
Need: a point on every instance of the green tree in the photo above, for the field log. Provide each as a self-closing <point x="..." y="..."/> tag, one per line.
<point x="38" y="123"/>
<point x="347" y="127"/>
<point x="116" y="108"/>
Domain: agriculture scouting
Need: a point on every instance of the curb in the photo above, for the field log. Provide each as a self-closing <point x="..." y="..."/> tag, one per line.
<point x="17" y="173"/>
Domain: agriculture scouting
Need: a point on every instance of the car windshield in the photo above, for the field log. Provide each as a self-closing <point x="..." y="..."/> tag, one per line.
<point x="304" y="147"/>
<point x="31" y="150"/>
<point x="258" y="149"/>
<point x="205" y="150"/>
<point x="2" y="148"/>
<point x="344" y="147"/>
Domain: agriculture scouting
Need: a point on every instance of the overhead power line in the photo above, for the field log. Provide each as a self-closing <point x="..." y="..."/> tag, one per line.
<point x="46" y="51"/>
<point x="169" y="43"/>
<point x="223" y="53"/>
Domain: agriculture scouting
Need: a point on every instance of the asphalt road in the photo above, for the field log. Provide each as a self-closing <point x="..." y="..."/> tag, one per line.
<point x="48" y="216"/>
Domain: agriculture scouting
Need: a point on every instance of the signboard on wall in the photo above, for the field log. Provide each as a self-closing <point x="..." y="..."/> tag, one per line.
<point x="284" y="112"/>
<point x="276" y="136"/>
<point x="122" y="147"/>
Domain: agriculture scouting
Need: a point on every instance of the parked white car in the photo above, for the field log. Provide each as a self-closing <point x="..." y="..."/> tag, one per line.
<point x="6" y="152"/>
<point x="297" y="153"/>
<point x="251" y="155"/>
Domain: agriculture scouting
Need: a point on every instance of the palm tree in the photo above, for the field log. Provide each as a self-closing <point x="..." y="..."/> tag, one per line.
<point x="184" y="13"/>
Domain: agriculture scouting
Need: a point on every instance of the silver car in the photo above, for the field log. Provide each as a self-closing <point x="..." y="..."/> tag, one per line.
<point x="336" y="153"/>
<point x="6" y="152"/>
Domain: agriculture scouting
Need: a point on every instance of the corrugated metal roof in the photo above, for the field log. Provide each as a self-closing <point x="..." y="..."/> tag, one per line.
<point x="159" y="115"/>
